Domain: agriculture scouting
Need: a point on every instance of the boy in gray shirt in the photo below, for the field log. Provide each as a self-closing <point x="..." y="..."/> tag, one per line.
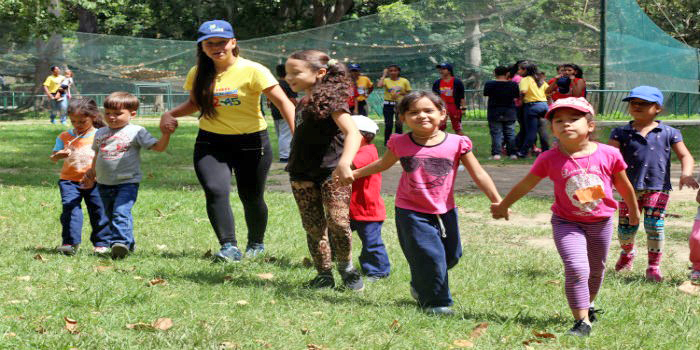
<point x="117" y="166"/>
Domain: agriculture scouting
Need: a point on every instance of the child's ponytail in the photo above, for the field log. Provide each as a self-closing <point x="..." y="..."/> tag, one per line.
<point x="84" y="106"/>
<point x="332" y="92"/>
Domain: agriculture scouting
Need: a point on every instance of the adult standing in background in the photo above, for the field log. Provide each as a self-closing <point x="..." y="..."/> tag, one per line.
<point x="395" y="88"/>
<point x="225" y="89"/>
<point x="364" y="88"/>
<point x="284" y="133"/>
<point x="59" y="106"/>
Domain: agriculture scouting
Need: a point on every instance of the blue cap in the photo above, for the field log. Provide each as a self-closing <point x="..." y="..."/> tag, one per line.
<point x="646" y="93"/>
<point x="215" y="29"/>
<point x="354" y="66"/>
<point x="444" y="65"/>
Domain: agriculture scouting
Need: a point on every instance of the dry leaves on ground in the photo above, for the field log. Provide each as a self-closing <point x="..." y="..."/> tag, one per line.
<point x="103" y="268"/>
<point x="162" y="324"/>
<point x="242" y="302"/>
<point x="314" y="347"/>
<point x="477" y="332"/>
<point x="228" y="345"/>
<point x="543" y="335"/>
<point x="266" y="276"/>
<point x="40" y="258"/>
<point x="157" y="282"/>
<point x="395" y="326"/>
<point x="71" y="325"/>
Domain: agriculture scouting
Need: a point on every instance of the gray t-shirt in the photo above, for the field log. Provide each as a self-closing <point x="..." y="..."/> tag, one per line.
<point x="118" y="153"/>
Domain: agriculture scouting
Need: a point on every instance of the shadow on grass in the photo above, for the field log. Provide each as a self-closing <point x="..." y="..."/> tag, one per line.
<point x="522" y="318"/>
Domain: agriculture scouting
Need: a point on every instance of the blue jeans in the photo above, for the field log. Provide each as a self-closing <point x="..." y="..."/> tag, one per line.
<point x="284" y="138"/>
<point x="118" y="201"/>
<point x="72" y="214"/>
<point x="534" y="124"/>
<point x="59" y="108"/>
<point x="373" y="259"/>
<point x="430" y="251"/>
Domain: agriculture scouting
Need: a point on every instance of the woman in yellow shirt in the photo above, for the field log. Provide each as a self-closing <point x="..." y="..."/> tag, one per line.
<point x="59" y="106"/>
<point x="532" y="90"/>
<point x="225" y="88"/>
<point x="395" y="88"/>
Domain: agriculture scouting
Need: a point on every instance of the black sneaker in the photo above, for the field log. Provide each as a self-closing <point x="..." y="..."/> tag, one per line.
<point x="580" y="329"/>
<point x="322" y="280"/>
<point x="119" y="251"/>
<point x="352" y="280"/>
<point x="592" y="314"/>
<point x="68" y="249"/>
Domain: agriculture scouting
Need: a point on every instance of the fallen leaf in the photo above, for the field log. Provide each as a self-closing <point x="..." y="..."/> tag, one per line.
<point x="305" y="331"/>
<point x="40" y="329"/>
<point x="71" y="325"/>
<point x="689" y="288"/>
<point x="157" y="281"/>
<point x="162" y="247"/>
<point x="228" y="345"/>
<point x="163" y="324"/>
<point x="24" y="278"/>
<point x="462" y="343"/>
<point x="140" y="326"/>
<point x="543" y="335"/>
<point x="103" y="268"/>
<point x="395" y="326"/>
<point x="266" y="276"/>
<point x="242" y="302"/>
<point x="314" y="347"/>
<point x="532" y="341"/>
<point x="10" y="335"/>
<point x="306" y="262"/>
<point x="228" y="278"/>
<point x="554" y="282"/>
<point x="40" y="258"/>
<point x="207" y="255"/>
<point x="479" y="330"/>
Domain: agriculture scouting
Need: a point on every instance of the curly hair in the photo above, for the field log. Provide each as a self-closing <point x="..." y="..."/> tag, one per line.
<point x="330" y="93"/>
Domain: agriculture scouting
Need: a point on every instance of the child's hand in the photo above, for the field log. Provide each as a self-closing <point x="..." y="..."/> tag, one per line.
<point x="633" y="217"/>
<point x="88" y="180"/>
<point x="689" y="181"/>
<point x="168" y="123"/>
<point x="385" y="72"/>
<point x="64" y="153"/>
<point x="343" y="174"/>
<point x="498" y="211"/>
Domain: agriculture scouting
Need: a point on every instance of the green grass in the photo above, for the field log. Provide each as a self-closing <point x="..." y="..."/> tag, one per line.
<point x="503" y="279"/>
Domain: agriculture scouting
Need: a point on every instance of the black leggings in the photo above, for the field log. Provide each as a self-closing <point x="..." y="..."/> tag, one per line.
<point x="249" y="157"/>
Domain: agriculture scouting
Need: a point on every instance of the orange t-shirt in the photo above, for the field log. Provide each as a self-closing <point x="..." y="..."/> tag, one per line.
<point x="80" y="158"/>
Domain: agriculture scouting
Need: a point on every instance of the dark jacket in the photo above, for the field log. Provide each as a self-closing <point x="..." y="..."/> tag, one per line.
<point x="457" y="88"/>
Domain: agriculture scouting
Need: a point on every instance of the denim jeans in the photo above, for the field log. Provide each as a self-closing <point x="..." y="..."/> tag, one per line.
<point x="534" y="124"/>
<point x="59" y="108"/>
<point x="284" y="138"/>
<point x="432" y="246"/>
<point x="72" y="215"/>
<point x="373" y="259"/>
<point x="118" y="201"/>
<point x="391" y="119"/>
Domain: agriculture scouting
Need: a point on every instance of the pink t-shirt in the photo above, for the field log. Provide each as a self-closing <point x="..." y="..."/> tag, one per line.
<point x="429" y="172"/>
<point x="569" y="177"/>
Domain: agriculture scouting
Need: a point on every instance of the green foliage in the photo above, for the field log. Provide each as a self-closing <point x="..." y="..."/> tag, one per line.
<point x="21" y="20"/>
<point x="679" y="18"/>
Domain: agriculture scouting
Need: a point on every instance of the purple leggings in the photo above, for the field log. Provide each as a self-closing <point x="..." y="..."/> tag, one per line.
<point x="583" y="248"/>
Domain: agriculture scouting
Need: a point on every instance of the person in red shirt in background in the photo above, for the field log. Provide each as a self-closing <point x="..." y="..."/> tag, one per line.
<point x="367" y="212"/>
<point x="450" y="90"/>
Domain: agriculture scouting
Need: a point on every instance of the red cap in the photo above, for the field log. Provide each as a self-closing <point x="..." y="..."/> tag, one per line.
<point x="577" y="103"/>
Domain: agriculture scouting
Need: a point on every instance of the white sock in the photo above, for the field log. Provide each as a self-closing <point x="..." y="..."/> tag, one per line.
<point x="345" y="267"/>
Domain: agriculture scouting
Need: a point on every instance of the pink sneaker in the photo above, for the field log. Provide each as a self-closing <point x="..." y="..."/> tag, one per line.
<point x="100" y="250"/>
<point x="695" y="277"/>
<point x="625" y="261"/>
<point x="654" y="274"/>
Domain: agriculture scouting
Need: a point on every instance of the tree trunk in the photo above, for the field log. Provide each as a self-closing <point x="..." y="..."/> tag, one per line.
<point x="87" y="21"/>
<point x="49" y="52"/>
<point x="472" y="53"/>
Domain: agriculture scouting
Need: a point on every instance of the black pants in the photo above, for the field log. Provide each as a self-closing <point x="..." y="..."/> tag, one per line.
<point x="362" y="107"/>
<point x="249" y="157"/>
<point x="389" y="112"/>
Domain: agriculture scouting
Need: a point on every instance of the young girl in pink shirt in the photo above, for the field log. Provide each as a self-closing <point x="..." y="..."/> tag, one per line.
<point x="426" y="215"/>
<point x="583" y="173"/>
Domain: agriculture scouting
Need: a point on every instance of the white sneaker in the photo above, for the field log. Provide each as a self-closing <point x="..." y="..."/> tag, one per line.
<point x="514" y="157"/>
<point x="100" y="250"/>
<point x="495" y="157"/>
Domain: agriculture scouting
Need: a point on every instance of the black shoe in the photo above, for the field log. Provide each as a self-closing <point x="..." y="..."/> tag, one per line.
<point x="284" y="160"/>
<point x="580" y="329"/>
<point x="322" y="280"/>
<point x="592" y="314"/>
<point x="352" y="280"/>
<point x="119" y="251"/>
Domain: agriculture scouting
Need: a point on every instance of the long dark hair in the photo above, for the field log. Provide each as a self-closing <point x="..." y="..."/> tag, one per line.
<point x="84" y="106"/>
<point x="577" y="69"/>
<point x="531" y="71"/>
<point x="203" y="86"/>
<point x="330" y="93"/>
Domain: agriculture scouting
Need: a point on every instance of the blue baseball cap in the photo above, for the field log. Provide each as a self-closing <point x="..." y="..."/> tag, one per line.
<point x="215" y="29"/>
<point x="354" y="66"/>
<point x="646" y="93"/>
<point x="444" y="65"/>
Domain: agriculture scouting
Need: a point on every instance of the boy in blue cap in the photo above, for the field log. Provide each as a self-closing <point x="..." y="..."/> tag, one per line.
<point x="646" y="144"/>
<point x="364" y="88"/>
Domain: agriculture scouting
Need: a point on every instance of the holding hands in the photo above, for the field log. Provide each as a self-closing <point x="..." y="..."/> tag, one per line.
<point x="168" y="123"/>
<point x="343" y="174"/>
<point x="499" y="211"/>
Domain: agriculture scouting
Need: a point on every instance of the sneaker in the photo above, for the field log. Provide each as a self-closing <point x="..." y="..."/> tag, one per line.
<point x="495" y="157"/>
<point x="625" y="261"/>
<point x="100" y="250"/>
<point x="352" y="280"/>
<point x="654" y="274"/>
<point x="372" y="279"/>
<point x="438" y="310"/>
<point x="228" y="253"/>
<point x="68" y="249"/>
<point x="695" y="277"/>
<point x="253" y="250"/>
<point x="414" y="294"/>
<point x="513" y="157"/>
<point x="592" y="314"/>
<point x="580" y="329"/>
<point x="284" y="160"/>
<point x="119" y="251"/>
<point x="322" y="280"/>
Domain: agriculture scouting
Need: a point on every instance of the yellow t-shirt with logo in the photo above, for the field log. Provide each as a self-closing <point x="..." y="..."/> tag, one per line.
<point x="533" y="93"/>
<point x="395" y="89"/>
<point x="53" y="82"/>
<point x="363" y="85"/>
<point x="237" y="98"/>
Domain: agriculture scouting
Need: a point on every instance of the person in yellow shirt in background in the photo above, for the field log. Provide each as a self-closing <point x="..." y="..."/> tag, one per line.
<point x="59" y="106"/>
<point x="225" y="89"/>
<point x="532" y="89"/>
<point x="364" y="88"/>
<point x="395" y="88"/>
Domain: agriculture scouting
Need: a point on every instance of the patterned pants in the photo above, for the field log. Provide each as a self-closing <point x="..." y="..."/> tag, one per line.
<point x="325" y="210"/>
<point x="653" y="206"/>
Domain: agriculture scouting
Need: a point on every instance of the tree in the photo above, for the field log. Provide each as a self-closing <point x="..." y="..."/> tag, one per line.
<point x="679" y="18"/>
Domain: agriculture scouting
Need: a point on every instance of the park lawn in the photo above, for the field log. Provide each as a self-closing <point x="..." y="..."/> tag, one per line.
<point x="506" y="278"/>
